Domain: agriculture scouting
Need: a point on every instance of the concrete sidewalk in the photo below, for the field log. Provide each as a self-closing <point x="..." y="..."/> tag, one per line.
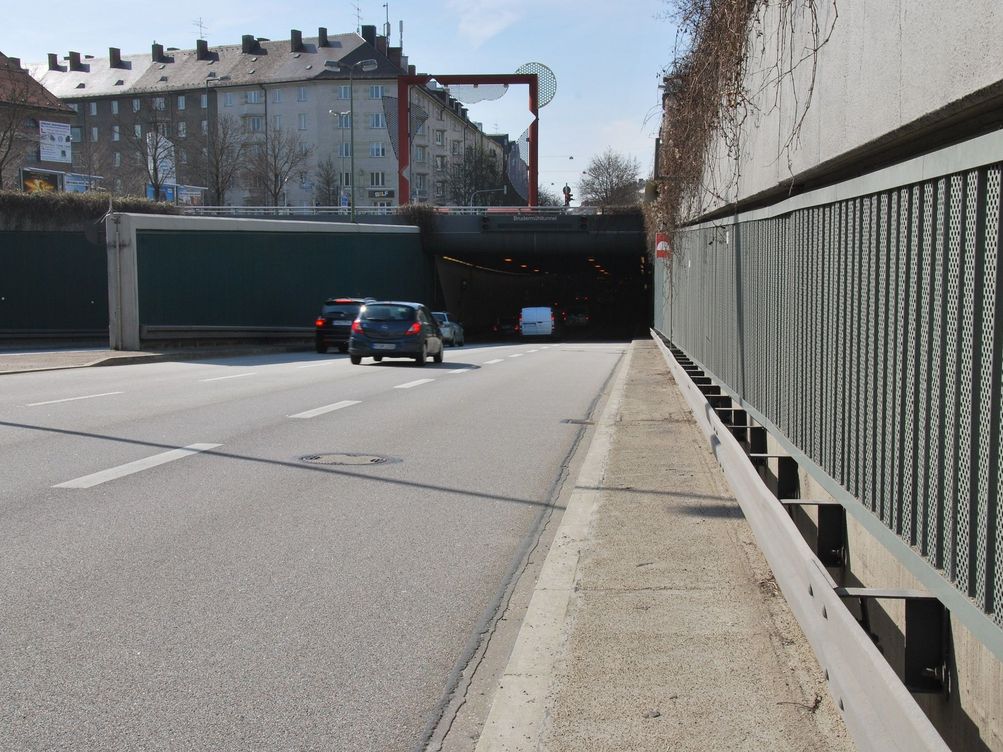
<point x="27" y="360"/>
<point x="655" y="623"/>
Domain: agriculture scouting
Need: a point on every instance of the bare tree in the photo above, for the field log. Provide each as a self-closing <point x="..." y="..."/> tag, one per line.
<point x="17" y="106"/>
<point x="327" y="187"/>
<point x="270" y="164"/>
<point x="479" y="173"/>
<point x="149" y="149"/>
<point x="220" y="159"/>
<point x="610" y="180"/>
<point x="547" y="197"/>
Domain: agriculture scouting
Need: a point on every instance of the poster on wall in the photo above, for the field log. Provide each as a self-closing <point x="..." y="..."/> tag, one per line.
<point x="54" y="142"/>
<point x="74" y="183"/>
<point x="34" y="181"/>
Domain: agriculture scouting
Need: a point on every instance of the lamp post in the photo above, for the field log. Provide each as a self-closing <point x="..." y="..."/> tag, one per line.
<point x="366" y="65"/>
<point x="208" y="125"/>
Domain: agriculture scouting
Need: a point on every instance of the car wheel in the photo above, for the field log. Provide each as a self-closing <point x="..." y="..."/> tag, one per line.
<point x="356" y="359"/>
<point x="438" y="356"/>
<point x="419" y="360"/>
<point x="320" y="348"/>
<point x="462" y="342"/>
<point x="378" y="358"/>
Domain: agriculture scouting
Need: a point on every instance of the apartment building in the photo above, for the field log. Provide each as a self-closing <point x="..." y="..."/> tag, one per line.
<point x="266" y="123"/>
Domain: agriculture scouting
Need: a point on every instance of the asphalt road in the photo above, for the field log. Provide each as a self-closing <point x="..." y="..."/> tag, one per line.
<point x="174" y="575"/>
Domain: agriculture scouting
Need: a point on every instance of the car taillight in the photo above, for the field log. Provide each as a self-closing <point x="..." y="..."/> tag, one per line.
<point x="357" y="327"/>
<point x="319" y="322"/>
<point x="415" y="328"/>
<point x="519" y="325"/>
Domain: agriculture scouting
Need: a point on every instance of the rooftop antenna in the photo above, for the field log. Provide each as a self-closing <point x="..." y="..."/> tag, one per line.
<point x="358" y="17"/>
<point x="386" y="26"/>
<point x="402" y="34"/>
<point x="201" y="27"/>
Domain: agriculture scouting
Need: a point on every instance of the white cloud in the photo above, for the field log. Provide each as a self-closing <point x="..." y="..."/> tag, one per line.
<point x="480" y="20"/>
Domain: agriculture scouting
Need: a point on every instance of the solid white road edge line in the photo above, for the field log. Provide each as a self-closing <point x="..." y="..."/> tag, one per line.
<point x="104" y="476"/>
<point x="461" y="370"/>
<point x="72" y="399"/>
<point x="412" y="384"/>
<point x="326" y="409"/>
<point x="235" y="376"/>
<point x="515" y="722"/>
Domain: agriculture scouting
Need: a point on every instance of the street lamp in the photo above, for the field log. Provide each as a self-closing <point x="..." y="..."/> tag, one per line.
<point x="366" y="65"/>
<point x="208" y="125"/>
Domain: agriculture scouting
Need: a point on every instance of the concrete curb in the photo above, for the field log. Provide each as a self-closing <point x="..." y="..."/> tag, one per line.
<point x="518" y="713"/>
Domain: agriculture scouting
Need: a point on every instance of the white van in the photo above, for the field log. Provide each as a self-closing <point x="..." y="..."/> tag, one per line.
<point x="537" y="322"/>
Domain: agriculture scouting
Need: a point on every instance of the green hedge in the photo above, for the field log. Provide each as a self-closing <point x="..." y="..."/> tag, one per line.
<point x="67" y="211"/>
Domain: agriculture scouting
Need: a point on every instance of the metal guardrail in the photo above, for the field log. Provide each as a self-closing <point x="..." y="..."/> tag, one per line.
<point x="880" y="713"/>
<point x="176" y="332"/>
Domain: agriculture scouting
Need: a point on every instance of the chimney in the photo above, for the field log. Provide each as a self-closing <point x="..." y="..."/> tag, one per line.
<point x="412" y="70"/>
<point x="295" y="40"/>
<point x="322" y="37"/>
<point x="75" y="62"/>
<point x="248" y="44"/>
<point x="201" y="49"/>
<point x="114" y="57"/>
<point x="381" y="44"/>
<point x="15" y="62"/>
<point x="369" y="34"/>
<point x="54" y="61"/>
<point x="157" y="53"/>
<point x="394" y="53"/>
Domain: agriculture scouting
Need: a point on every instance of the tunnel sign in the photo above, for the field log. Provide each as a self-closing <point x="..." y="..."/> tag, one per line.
<point x="662" y="245"/>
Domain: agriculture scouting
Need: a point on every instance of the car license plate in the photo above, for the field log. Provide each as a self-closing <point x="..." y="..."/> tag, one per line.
<point x="341" y="323"/>
<point x="384" y="346"/>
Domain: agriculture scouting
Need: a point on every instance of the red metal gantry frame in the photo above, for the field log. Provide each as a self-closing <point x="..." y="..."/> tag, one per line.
<point x="404" y="119"/>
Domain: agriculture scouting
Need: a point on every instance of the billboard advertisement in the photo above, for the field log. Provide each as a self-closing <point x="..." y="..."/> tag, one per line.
<point x="37" y="181"/>
<point x="54" y="142"/>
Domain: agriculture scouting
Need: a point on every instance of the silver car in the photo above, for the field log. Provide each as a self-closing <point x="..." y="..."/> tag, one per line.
<point x="452" y="330"/>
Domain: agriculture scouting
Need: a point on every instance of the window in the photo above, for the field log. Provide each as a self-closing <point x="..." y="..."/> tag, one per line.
<point x="419" y="154"/>
<point x="116" y="134"/>
<point x="344" y="120"/>
<point x="182" y="102"/>
<point x="420" y="130"/>
<point x="254" y="96"/>
<point x="377" y="149"/>
<point x="440" y="190"/>
<point x="345" y="150"/>
<point x="344" y="92"/>
<point x="205" y="127"/>
<point x="182" y="129"/>
<point x="377" y="120"/>
<point x="114" y="107"/>
<point x="73" y="106"/>
<point x="255" y="124"/>
<point x="277" y="122"/>
<point x="204" y="101"/>
<point x="377" y="179"/>
<point x="346" y="178"/>
<point x="163" y="129"/>
<point x="94" y="134"/>
<point x="183" y="157"/>
<point x="228" y="99"/>
<point x="456" y="148"/>
<point x="376" y="91"/>
<point x="276" y="96"/>
<point x="419" y="182"/>
<point x="137" y="105"/>
<point x="440" y="162"/>
<point x="441" y="115"/>
<point x="76" y="135"/>
<point x="440" y="138"/>
<point x="304" y="150"/>
<point x="92" y="108"/>
<point x="137" y="130"/>
<point x="159" y="104"/>
<point x="301" y="121"/>
<point x="300" y="93"/>
<point x="117" y="161"/>
<point x="118" y="185"/>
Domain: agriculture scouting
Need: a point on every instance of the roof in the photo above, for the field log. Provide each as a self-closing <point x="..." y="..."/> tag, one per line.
<point x="17" y="87"/>
<point x="272" y="62"/>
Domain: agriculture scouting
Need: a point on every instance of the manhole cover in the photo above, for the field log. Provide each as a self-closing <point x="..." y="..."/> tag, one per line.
<point x="348" y="458"/>
<point x="578" y="422"/>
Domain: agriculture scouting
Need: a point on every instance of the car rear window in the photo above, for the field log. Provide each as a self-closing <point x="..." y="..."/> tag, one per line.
<point x="341" y="310"/>
<point x="439" y="318"/>
<point x="388" y="313"/>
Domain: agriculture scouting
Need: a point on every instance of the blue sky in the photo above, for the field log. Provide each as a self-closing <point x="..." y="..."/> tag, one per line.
<point x="607" y="56"/>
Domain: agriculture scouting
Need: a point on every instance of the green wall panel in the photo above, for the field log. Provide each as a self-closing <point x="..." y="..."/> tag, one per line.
<point x="52" y="281"/>
<point x="193" y="278"/>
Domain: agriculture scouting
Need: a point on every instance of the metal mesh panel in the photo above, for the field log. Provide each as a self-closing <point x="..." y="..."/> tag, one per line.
<point x="867" y="449"/>
<point x="965" y="385"/>
<point x="995" y="542"/>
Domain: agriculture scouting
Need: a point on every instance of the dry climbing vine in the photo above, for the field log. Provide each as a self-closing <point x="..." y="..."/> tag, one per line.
<point x="734" y="60"/>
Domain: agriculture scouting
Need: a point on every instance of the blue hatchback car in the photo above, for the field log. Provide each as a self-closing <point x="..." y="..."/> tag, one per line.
<point x="393" y="329"/>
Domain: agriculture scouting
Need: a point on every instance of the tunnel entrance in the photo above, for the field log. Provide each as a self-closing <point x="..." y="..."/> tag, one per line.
<point x="595" y="295"/>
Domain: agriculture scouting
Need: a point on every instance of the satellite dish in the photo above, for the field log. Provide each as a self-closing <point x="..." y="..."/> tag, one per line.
<point x="546" y="81"/>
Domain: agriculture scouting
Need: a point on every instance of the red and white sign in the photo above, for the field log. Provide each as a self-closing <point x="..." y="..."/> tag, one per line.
<point x="662" y="245"/>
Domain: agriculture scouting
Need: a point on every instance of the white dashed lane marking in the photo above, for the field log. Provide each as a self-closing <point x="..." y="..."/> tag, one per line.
<point x="412" y="384"/>
<point x="95" y="479"/>
<point x="72" y="399"/>
<point x="461" y="370"/>
<point x="325" y="409"/>
<point x="490" y="362"/>
<point x="234" y="376"/>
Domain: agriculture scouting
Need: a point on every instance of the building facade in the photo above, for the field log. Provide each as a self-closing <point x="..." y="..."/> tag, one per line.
<point x="268" y="123"/>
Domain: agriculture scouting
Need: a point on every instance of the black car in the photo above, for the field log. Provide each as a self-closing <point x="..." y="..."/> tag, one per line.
<point x="392" y="329"/>
<point x="334" y="324"/>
